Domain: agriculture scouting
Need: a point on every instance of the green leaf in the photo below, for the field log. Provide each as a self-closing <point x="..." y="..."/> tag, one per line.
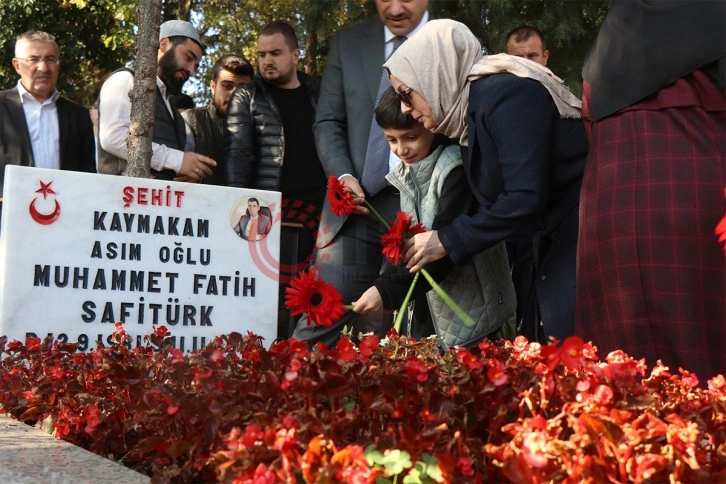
<point x="432" y="467"/>
<point x="424" y="472"/>
<point x="415" y="476"/>
<point x="395" y="461"/>
<point x="373" y="456"/>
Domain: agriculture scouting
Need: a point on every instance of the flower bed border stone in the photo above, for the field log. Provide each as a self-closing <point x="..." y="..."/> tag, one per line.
<point x="30" y="455"/>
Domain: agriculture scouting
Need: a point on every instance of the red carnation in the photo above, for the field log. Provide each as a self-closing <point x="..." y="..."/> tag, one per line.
<point x="401" y="230"/>
<point x="319" y="301"/>
<point x="341" y="201"/>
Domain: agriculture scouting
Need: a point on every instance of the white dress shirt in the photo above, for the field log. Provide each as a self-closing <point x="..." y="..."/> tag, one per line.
<point x="42" y="121"/>
<point x="114" y="120"/>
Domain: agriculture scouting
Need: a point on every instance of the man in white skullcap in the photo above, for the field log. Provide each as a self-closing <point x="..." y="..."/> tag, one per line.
<point x="180" y="51"/>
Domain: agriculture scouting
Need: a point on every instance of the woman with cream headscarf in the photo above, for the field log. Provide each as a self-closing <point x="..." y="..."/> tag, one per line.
<point x="524" y="149"/>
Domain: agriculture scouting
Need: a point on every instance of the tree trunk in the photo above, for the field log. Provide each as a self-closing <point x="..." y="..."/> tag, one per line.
<point x="315" y="14"/>
<point x="311" y="51"/>
<point x="143" y="95"/>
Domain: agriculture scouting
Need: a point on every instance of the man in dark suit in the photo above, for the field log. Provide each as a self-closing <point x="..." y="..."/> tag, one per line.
<point x="349" y="252"/>
<point x="38" y="127"/>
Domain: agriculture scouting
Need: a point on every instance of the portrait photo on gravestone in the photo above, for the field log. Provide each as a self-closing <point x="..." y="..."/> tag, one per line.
<point x="251" y="219"/>
<point x="81" y="252"/>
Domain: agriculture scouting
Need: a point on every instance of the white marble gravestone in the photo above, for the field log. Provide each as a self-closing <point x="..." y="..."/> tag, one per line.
<point x="79" y="252"/>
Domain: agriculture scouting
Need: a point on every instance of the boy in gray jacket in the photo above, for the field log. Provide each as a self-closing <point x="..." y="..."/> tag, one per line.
<point x="434" y="191"/>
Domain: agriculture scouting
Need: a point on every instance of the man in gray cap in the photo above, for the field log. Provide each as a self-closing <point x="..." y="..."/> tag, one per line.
<point x="180" y="51"/>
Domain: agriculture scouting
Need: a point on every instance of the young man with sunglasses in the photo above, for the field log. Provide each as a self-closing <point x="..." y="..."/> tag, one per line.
<point x="205" y="125"/>
<point x="39" y="127"/>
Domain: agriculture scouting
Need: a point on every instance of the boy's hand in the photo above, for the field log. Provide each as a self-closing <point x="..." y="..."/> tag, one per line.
<point x="369" y="302"/>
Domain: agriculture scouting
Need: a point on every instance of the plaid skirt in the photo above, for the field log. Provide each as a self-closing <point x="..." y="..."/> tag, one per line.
<point x="651" y="275"/>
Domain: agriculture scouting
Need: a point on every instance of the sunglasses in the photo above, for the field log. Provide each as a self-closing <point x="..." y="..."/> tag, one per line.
<point x="405" y="96"/>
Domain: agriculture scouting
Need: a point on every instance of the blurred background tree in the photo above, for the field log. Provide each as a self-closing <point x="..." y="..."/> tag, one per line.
<point x="98" y="36"/>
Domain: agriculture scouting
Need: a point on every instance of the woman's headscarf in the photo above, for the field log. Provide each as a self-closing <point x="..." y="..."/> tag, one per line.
<point x="442" y="59"/>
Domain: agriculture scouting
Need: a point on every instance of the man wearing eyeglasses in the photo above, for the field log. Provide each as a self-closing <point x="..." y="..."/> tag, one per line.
<point x="39" y="127"/>
<point x="180" y="51"/>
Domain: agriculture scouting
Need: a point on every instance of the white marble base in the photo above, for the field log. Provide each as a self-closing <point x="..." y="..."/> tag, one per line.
<point x="30" y="456"/>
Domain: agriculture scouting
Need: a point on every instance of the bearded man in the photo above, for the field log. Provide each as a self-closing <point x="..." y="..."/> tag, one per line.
<point x="180" y="51"/>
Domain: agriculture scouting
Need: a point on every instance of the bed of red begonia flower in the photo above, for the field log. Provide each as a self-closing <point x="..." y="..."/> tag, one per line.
<point x="390" y="411"/>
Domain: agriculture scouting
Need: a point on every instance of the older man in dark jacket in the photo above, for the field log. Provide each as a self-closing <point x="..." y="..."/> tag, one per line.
<point x="38" y="127"/>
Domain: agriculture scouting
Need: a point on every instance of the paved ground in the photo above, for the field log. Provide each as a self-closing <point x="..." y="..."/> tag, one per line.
<point x="31" y="456"/>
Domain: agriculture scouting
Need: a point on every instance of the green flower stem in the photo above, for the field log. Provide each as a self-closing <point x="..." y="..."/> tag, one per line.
<point x="447" y="299"/>
<point x="348" y="307"/>
<point x="402" y="311"/>
<point x="375" y="212"/>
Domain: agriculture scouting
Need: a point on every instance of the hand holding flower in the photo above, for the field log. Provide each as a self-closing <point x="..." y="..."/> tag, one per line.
<point x="394" y="241"/>
<point x="369" y="302"/>
<point x="319" y="301"/>
<point x="352" y="186"/>
<point x="422" y="249"/>
<point x="398" y="234"/>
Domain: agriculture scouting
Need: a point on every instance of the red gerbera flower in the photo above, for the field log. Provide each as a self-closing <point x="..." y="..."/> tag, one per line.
<point x="319" y="301"/>
<point x="401" y="230"/>
<point x="341" y="201"/>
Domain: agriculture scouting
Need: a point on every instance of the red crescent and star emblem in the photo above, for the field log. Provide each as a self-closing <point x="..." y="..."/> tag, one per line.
<point x="44" y="218"/>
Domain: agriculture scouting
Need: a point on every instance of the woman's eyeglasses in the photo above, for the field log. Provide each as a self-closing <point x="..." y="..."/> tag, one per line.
<point x="405" y="96"/>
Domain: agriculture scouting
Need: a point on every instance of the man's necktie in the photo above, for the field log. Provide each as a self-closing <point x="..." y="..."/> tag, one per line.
<point x="253" y="229"/>
<point x="378" y="152"/>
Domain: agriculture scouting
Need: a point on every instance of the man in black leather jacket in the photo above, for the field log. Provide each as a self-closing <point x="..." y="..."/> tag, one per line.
<point x="269" y="137"/>
<point x="260" y="151"/>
